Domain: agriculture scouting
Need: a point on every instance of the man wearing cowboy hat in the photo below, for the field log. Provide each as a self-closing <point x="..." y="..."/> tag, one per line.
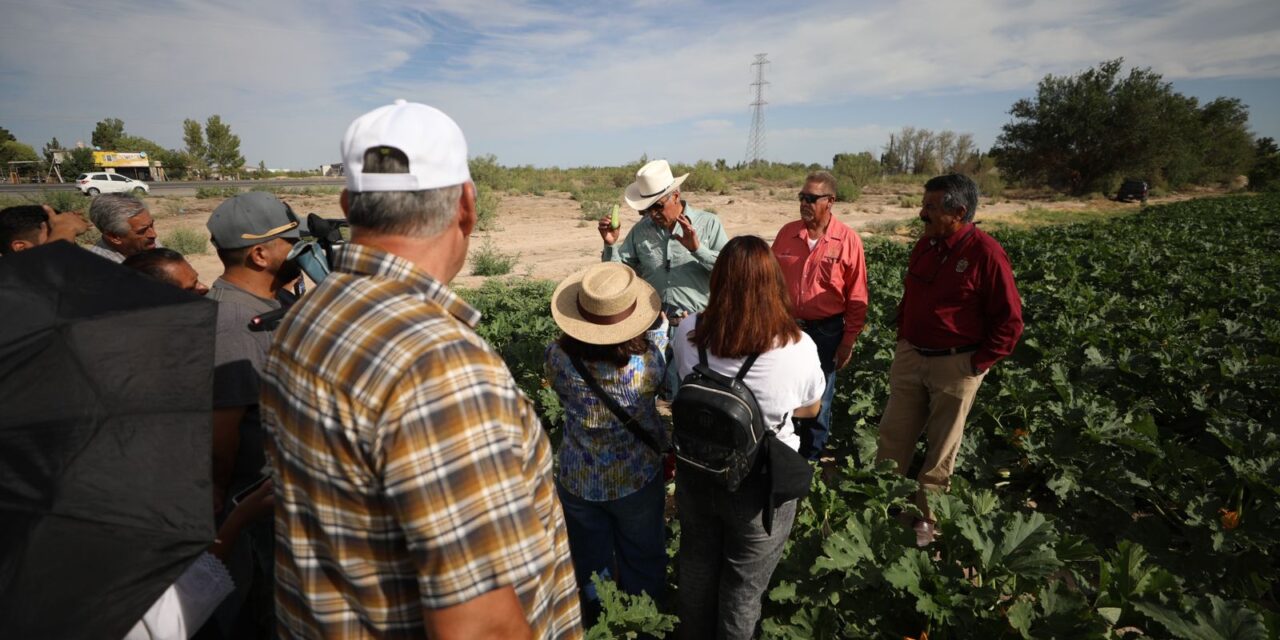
<point x="673" y="247"/>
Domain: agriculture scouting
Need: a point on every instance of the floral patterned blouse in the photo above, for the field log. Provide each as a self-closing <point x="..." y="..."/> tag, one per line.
<point x="599" y="458"/>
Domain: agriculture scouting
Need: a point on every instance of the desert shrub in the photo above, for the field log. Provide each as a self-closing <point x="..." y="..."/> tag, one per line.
<point x="205" y="193"/>
<point x="910" y="202"/>
<point x="488" y="260"/>
<point x="486" y="208"/>
<point x="169" y="208"/>
<point x="186" y="241"/>
<point x="64" y="200"/>
<point x="896" y="227"/>
<point x="702" y="177"/>
<point x="861" y="168"/>
<point x="593" y="210"/>
<point x="847" y="191"/>
<point x="990" y="185"/>
<point x="298" y="191"/>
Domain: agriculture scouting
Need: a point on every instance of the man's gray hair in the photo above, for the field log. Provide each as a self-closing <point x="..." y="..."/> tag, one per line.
<point x="407" y="213"/>
<point x="958" y="190"/>
<point x="823" y="178"/>
<point x="110" y="212"/>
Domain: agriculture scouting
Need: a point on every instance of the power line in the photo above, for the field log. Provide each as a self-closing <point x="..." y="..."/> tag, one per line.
<point x="755" y="142"/>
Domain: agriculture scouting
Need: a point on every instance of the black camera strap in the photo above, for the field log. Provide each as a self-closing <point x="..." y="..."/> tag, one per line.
<point x="628" y="420"/>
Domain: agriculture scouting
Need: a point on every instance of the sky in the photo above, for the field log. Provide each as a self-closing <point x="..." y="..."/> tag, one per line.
<point x="583" y="83"/>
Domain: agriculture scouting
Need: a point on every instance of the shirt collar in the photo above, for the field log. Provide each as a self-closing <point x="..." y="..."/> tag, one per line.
<point x="952" y="241"/>
<point x="835" y="230"/>
<point x="362" y="260"/>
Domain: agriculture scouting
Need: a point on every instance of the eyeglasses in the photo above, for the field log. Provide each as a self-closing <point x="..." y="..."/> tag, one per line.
<point x="656" y="207"/>
<point x="813" y="198"/>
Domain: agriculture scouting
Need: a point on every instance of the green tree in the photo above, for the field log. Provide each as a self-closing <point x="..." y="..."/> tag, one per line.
<point x="1083" y="133"/>
<point x="196" y="151"/>
<point x="853" y="171"/>
<point x="14" y="151"/>
<point x="107" y="133"/>
<point x="6" y="135"/>
<point x="1265" y="175"/>
<point x="223" y="146"/>
<point x="78" y="161"/>
<point x="49" y="148"/>
<point x="1226" y="148"/>
<point x="193" y="137"/>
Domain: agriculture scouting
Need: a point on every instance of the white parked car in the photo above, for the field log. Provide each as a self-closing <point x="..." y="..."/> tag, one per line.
<point x="91" y="184"/>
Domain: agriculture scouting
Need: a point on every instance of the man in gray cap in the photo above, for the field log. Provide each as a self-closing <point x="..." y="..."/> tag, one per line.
<point x="253" y="233"/>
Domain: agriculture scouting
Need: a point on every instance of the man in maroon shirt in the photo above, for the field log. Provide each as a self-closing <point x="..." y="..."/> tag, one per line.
<point x="960" y="313"/>
<point x="826" y="275"/>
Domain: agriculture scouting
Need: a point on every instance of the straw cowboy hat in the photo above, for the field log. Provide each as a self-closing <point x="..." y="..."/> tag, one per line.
<point x="605" y="303"/>
<point x="653" y="181"/>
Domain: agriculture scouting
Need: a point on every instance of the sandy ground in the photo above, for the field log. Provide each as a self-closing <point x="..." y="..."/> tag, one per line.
<point x="551" y="239"/>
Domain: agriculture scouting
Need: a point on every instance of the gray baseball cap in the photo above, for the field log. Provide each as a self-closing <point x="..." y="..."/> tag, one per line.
<point x="251" y="218"/>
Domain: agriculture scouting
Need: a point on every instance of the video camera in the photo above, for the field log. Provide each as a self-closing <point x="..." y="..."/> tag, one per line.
<point x="314" y="256"/>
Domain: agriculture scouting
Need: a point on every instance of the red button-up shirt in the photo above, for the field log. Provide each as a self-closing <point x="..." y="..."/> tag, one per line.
<point x="827" y="281"/>
<point x="959" y="292"/>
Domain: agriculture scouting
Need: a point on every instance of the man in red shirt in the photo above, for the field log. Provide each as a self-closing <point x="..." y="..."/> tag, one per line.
<point x="826" y="276"/>
<point x="960" y="313"/>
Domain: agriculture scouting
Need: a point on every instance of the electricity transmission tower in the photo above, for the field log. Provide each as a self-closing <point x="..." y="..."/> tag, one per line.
<point x="755" y="143"/>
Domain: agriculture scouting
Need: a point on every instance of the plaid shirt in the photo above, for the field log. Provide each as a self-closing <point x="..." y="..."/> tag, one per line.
<point x="411" y="471"/>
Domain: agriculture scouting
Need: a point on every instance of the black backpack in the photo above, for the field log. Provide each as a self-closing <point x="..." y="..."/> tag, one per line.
<point x="717" y="424"/>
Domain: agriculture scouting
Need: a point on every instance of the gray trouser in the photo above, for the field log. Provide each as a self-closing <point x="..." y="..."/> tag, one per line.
<point x="726" y="558"/>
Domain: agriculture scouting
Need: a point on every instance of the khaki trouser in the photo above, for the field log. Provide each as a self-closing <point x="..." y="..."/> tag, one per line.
<point x="933" y="396"/>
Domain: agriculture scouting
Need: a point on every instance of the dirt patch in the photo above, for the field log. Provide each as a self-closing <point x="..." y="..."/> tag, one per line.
<point x="552" y="240"/>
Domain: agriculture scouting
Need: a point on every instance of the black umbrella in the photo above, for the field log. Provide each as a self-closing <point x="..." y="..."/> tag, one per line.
<point x="105" y="488"/>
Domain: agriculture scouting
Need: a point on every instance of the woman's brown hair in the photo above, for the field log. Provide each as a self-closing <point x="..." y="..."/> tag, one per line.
<point x="616" y="354"/>
<point x="749" y="310"/>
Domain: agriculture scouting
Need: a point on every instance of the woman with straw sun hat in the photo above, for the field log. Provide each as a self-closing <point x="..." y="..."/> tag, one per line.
<point x="606" y="368"/>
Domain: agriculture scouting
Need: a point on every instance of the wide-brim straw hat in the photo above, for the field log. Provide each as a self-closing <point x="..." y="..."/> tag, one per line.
<point x="605" y="303"/>
<point x="653" y="181"/>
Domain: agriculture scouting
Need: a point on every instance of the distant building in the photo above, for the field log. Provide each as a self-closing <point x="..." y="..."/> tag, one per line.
<point x="331" y="170"/>
<point x="136" y="165"/>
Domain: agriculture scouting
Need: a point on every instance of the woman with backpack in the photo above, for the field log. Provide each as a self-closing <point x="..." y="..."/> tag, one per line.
<point x="607" y="367"/>
<point x="732" y="531"/>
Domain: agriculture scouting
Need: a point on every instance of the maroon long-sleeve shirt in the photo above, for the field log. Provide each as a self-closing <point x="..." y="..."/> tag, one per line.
<point x="959" y="292"/>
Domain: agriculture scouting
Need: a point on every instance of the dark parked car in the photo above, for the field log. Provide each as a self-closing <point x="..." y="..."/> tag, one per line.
<point x="1132" y="190"/>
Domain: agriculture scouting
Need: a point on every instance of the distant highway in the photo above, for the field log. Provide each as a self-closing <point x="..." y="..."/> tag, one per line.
<point x="180" y="188"/>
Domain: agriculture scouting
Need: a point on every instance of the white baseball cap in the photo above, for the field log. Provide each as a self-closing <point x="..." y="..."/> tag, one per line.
<point x="433" y="142"/>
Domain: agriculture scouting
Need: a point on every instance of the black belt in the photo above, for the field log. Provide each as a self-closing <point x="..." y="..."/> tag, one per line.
<point x="804" y="324"/>
<point x="933" y="353"/>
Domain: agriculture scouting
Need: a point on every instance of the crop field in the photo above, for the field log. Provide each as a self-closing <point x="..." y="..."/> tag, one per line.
<point x="1120" y="472"/>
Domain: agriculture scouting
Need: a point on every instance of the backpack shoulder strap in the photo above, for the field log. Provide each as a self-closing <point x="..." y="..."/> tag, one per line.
<point x="746" y="366"/>
<point x="702" y="351"/>
<point x="628" y="421"/>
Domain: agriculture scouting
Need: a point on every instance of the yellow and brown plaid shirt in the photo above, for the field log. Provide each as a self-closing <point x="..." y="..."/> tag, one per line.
<point x="410" y="470"/>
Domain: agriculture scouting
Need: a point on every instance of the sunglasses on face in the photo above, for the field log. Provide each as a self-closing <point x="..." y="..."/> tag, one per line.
<point x="657" y="206"/>
<point x="812" y="198"/>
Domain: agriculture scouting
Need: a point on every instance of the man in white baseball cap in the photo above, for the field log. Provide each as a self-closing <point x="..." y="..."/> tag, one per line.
<point x="414" y="481"/>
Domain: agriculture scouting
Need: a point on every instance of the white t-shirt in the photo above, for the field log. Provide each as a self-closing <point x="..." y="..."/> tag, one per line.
<point x="783" y="379"/>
